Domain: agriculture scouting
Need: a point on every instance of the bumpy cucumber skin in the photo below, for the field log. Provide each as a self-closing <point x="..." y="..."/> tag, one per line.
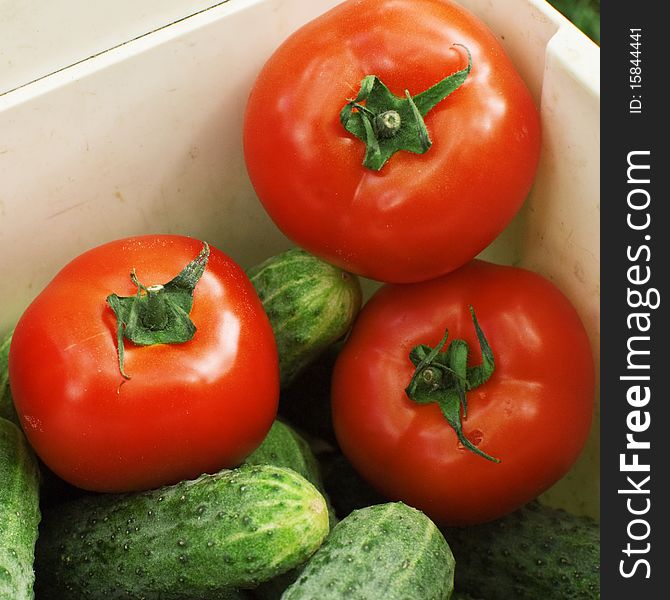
<point x="310" y="303"/>
<point x="387" y="551"/>
<point x="19" y="513"/>
<point x="285" y="447"/>
<point x="197" y="539"/>
<point x="7" y="410"/>
<point x="535" y="552"/>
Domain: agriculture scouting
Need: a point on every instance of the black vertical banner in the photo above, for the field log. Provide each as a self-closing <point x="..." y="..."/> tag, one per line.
<point x="635" y="354"/>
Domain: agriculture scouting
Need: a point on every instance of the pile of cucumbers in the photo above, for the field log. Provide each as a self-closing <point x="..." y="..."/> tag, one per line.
<point x="294" y="522"/>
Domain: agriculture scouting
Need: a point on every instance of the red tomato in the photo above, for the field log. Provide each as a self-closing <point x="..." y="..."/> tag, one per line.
<point x="533" y="414"/>
<point x="421" y="215"/>
<point x="187" y="408"/>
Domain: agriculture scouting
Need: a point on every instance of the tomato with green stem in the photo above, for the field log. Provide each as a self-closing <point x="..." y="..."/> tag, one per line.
<point x="470" y="424"/>
<point x="393" y="138"/>
<point x="145" y="361"/>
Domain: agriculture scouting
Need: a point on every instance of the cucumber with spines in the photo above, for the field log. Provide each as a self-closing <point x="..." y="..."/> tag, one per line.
<point x="19" y="513"/>
<point x="310" y="303"/>
<point x="535" y="552"/>
<point x="388" y="551"/>
<point x="197" y="539"/>
<point x="7" y="410"/>
<point x="283" y="446"/>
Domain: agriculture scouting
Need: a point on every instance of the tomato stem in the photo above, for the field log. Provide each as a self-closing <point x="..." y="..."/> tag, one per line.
<point x="155" y="314"/>
<point x="444" y="377"/>
<point x="158" y="314"/>
<point x="387" y="123"/>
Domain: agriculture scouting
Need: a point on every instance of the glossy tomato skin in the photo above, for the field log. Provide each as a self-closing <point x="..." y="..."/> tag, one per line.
<point x="421" y="215"/>
<point x="534" y="413"/>
<point x="187" y="408"/>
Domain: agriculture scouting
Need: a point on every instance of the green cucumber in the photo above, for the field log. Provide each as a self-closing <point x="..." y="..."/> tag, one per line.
<point x="535" y="552"/>
<point x="285" y="447"/>
<point x="192" y="540"/>
<point x="19" y="513"/>
<point x="388" y="551"/>
<point x="310" y="303"/>
<point x="7" y="410"/>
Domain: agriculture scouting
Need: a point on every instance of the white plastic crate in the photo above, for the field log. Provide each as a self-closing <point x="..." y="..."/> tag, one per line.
<point x="131" y="123"/>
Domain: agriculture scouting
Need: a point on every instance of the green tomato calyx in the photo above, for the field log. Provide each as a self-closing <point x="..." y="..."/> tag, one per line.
<point x="387" y="123"/>
<point x="158" y="314"/>
<point x="444" y="377"/>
